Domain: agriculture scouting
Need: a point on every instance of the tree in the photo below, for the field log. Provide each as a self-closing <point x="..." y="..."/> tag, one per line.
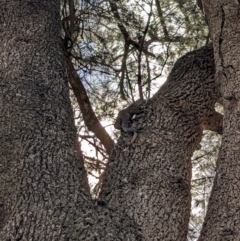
<point x="151" y="181"/>
<point x="145" y="193"/>
<point x="123" y="52"/>
<point x="38" y="138"/>
<point x="221" y="222"/>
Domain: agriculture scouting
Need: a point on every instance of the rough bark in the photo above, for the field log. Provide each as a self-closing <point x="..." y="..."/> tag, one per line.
<point x="44" y="193"/>
<point x="222" y="220"/>
<point x="43" y="180"/>
<point x="146" y="191"/>
<point x="150" y="180"/>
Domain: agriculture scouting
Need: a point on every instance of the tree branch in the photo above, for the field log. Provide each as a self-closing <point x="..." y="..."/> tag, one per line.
<point x="124" y="31"/>
<point x="89" y="117"/>
<point x="140" y="55"/>
<point x="162" y="20"/>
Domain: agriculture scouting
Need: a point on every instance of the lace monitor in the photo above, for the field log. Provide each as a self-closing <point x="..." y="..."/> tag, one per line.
<point x="125" y="116"/>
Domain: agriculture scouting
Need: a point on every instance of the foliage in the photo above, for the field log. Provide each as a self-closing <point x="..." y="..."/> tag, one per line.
<point x="112" y="35"/>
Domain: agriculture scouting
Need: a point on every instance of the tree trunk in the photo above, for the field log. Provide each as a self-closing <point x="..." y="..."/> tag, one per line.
<point x="44" y="193"/>
<point x="150" y="180"/>
<point x="43" y="181"/>
<point x="222" y="219"/>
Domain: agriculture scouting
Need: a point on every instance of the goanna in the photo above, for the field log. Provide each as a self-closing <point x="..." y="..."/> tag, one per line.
<point x="125" y="116"/>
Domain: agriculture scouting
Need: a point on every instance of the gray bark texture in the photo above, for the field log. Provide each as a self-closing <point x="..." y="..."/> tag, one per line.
<point x="222" y="220"/>
<point x="150" y="180"/>
<point x="40" y="161"/>
<point x="44" y="193"/>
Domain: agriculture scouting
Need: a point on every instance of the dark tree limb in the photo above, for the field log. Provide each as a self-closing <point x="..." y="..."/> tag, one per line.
<point x="162" y="19"/>
<point x="122" y="28"/>
<point x="89" y="117"/>
<point x="140" y="55"/>
<point x="123" y="70"/>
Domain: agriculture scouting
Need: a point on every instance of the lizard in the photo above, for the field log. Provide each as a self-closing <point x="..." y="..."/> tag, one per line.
<point x="125" y="116"/>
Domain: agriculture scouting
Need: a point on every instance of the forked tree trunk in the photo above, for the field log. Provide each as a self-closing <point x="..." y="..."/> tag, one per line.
<point x="222" y="220"/>
<point x="44" y="193"/>
<point x="150" y="180"/>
